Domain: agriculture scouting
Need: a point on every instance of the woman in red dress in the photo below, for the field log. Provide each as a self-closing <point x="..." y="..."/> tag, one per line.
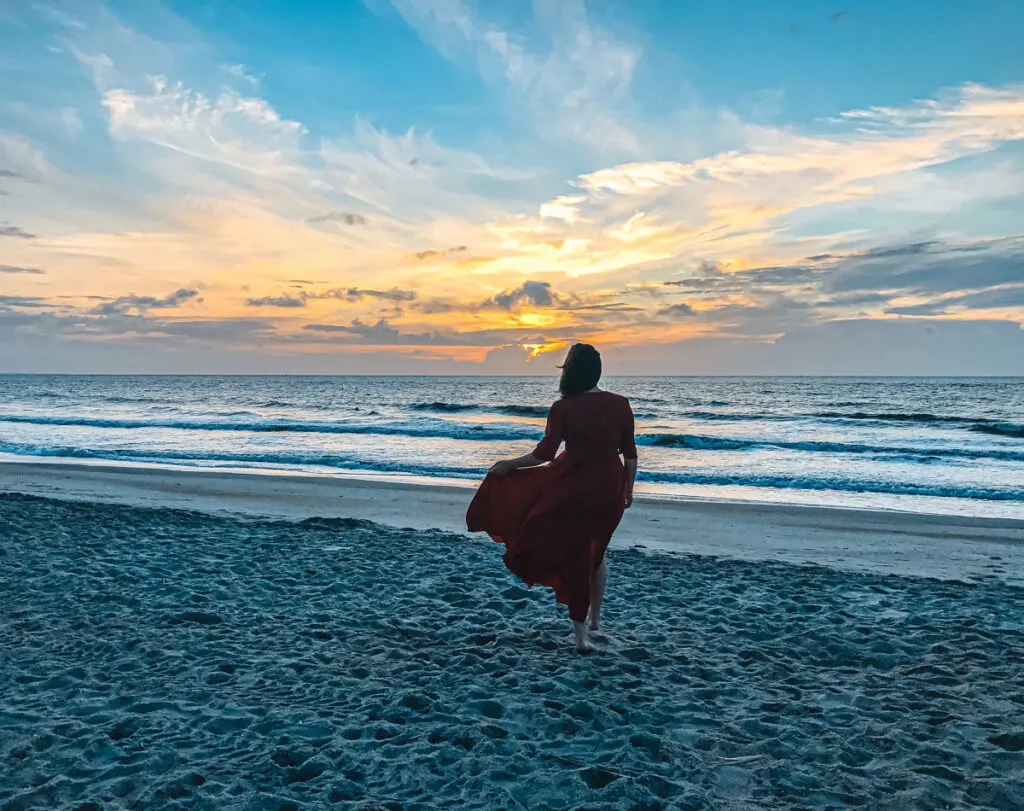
<point x="556" y="519"/>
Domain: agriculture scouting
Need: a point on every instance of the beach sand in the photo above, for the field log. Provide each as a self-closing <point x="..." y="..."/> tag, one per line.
<point x="162" y="658"/>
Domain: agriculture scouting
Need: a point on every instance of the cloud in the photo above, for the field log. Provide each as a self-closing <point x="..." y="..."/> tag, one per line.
<point x="16" y="269"/>
<point x="350" y="294"/>
<point x="395" y="294"/>
<point x="22" y="301"/>
<point x="15" y="231"/>
<point x="939" y="269"/>
<point x="72" y="122"/>
<point x="538" y="294"/>
<point x="239" y="72"/>
<point x="9" y="173"/>
<point x="242" y="132"/>
<point x="735" y="235"/>
<point x="142" y="304"/>
<point x="997" y="298"/>
<point x="577" y="88"/>
<point x="382" y="333"/>
<point x="432" y="253"/>
<point x="346" y="217"/>
<point x="682" y="309"/>
<point x="276" y="301"/>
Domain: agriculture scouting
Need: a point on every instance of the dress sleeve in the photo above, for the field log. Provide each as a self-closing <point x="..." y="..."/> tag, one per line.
<point x="548" y="446"/>
<point x="627" y="442"/>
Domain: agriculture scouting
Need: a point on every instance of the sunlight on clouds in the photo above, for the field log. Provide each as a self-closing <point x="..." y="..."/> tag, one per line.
<point x="216" y="191"/>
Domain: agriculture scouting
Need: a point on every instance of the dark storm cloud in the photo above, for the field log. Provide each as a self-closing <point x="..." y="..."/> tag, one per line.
<point x="123" y="304"/>
<point x="15" y="231"/>
<point x="346" y="217"/>
<point x="16" y="269"/>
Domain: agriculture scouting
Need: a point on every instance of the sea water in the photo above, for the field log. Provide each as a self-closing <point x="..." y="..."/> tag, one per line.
<point x="948" y="445"/>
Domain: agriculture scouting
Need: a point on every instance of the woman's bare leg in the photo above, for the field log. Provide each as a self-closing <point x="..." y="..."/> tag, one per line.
<point x="597" y="595"/>
<point x="579" y="629"/>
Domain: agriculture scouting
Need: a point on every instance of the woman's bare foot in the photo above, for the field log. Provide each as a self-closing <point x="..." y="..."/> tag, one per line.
<point x="583" y="645"/>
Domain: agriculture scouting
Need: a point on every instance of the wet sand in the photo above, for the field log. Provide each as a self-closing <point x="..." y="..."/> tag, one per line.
<point x="940" y="546"/>
<point x="160" y="658"/>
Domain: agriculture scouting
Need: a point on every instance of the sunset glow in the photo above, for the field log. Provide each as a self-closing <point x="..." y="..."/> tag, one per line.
<point x="178" y="196"/>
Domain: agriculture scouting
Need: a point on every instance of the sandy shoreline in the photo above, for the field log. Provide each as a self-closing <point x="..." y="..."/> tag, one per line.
<point x="939" y="546"/>
<point x="158" y="658"/>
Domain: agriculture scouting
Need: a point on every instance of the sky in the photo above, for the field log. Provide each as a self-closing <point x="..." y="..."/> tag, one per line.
<point x="450" y="186"/>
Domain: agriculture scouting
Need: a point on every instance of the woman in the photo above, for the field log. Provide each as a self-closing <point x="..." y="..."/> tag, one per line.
<point x="556" y="520"/>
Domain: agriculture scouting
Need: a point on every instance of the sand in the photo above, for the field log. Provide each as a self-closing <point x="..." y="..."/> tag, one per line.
<point x="940" y="546"/>
<point x="161" y="658"/>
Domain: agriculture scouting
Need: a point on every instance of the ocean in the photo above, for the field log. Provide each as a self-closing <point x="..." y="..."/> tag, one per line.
<point x="941" y="445"/>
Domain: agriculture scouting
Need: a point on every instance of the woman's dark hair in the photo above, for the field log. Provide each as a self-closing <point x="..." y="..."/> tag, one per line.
<point x="581" y="370"/>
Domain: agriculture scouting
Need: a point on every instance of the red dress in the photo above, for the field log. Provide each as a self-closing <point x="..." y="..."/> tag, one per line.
<point x="556" y="520"/>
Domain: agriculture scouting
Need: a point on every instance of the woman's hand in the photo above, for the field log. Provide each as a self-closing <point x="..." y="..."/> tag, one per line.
<point x="502" y="468"/>
<point x="629" y="497"/>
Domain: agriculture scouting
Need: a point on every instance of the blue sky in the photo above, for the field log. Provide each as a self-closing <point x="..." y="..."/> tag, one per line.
<point x="449" y="185"/>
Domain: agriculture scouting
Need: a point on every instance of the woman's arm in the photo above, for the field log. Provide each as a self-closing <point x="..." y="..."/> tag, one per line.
<point x="627" y="447"/>
<point x="506" y="466"/>
<point x="545" y="450"/>
<point x="630" y="481"/>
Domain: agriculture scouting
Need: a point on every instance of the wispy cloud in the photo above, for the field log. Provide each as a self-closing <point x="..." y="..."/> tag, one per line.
<point x="344" y="217"/>
<point x="398" y="237"/>
<point x="143" y="304"/>
<point x="15" y="231"/>
<point x="579" y="84"/>
<point x="276" y="301"/>
<point x="239" y="72"/>
<point x="12" y="269"/>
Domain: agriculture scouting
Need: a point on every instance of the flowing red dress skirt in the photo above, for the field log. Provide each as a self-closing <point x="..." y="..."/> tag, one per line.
<point x="555" y="521"/>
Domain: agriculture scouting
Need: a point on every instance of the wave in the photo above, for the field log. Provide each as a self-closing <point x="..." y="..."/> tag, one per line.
<point x="718" y="416"/>
<point x="441" y="429"/>
<point x="242" y="458"/>
<point x="840" y="485"/>
<point x="491" y="432"/>
<point x="526" y="410"/>
<point x="976" y="424"/>
<point x="356" y="464"/>
<point x="447" y="408"/>
<point x="1000" y="429"/>
<point x="454" y="408"/>
<point x="890" y="416"/>
<point x="715" y="443"/>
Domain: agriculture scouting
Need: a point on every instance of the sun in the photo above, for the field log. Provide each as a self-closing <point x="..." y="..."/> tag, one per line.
<point x="536" y="319"/>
